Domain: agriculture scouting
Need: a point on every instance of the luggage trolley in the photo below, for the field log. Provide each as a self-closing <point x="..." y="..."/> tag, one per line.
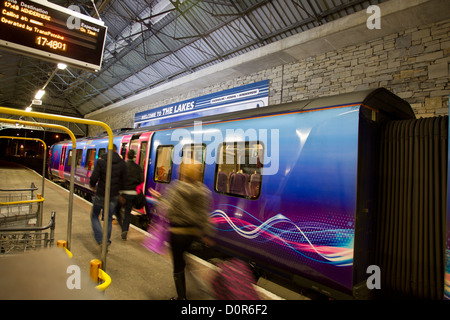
<point x="21" y="239"/>
<point x="19" y="207"/>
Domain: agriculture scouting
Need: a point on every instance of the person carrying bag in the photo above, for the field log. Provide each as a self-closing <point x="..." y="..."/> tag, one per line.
<point x="187" y="203"/>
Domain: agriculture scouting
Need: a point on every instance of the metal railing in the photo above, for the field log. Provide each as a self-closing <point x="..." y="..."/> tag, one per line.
<point x="71" y="188"/>
<point x="39" y="221"/>
<point x="72" y="171"/>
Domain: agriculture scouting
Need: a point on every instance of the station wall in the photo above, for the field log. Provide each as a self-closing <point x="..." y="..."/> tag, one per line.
<point x="414" y="64"/>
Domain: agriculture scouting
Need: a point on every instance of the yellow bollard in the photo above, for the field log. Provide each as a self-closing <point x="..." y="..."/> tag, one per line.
<point x="63" y="244"/>
<point x="95" y="265"/>
<point x="98" y="275"/>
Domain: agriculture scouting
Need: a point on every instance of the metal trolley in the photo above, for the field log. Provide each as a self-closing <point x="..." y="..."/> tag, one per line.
<point x="20" y="216"/>
<point x="21" y="239"/>
<point x="20" y="207"/>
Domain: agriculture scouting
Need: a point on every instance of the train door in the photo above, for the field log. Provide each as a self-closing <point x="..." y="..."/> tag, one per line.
<point x="143" y="156"/>
<point x="68" y="165"/>
<point x="140" y="143"/>
<point x="62" y="161"/>
<point x="123" y="148"/>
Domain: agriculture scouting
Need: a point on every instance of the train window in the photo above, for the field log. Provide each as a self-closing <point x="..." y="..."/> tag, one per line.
<point x="142" y="154"/>
<point x="79" y="155"/>
<point x="238" y="169"/>
<point x="90" y="159"/>
<point x="134" y="144"/>
<point x="69" y="158"/>
<point x="192" y="155"/>
<point x="163" y="164"/>
<point x="101" y="152"/>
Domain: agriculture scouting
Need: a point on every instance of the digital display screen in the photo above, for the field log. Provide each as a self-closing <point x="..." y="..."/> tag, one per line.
<point x="52" y="32"/>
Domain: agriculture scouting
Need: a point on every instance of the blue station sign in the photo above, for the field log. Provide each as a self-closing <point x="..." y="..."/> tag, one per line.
<point x="255" y="95"/>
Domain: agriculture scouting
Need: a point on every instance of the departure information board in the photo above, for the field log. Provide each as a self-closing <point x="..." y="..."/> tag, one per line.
<point x="43" y="29"/>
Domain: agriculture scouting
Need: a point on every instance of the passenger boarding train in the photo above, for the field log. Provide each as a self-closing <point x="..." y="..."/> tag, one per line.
<point x="294" y="186"/>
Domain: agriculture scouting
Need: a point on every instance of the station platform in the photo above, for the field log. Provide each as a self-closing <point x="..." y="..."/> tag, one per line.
<point x="136" y="273"/>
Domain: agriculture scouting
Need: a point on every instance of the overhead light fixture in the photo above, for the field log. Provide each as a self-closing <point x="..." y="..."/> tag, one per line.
<point x="39" y="94"/>
<point x="62" y="66"/>
<point x="28" y="109"/>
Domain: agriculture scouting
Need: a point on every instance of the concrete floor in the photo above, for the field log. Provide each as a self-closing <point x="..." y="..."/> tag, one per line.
<point x="136" y="273"/>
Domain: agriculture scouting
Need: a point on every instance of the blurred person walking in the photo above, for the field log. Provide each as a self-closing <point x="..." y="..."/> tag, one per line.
<point x="188" y="204"/>
<point x="98" y="181"/>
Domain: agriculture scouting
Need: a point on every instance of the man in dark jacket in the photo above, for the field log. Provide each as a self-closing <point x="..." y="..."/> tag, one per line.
<point x="135" y="177"/>
<point x="118" y="177"/>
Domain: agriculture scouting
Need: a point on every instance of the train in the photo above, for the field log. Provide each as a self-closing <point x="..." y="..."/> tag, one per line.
<point x="295" y="186"/>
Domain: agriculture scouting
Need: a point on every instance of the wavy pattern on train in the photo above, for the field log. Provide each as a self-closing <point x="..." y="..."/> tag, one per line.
<point x="317" y="242"/>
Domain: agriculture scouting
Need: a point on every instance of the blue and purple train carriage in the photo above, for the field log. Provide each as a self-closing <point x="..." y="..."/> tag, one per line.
<point x="298" y="188"/>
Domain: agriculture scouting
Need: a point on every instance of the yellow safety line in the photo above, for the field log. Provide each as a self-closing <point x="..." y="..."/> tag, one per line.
<point x="68" y="253"/>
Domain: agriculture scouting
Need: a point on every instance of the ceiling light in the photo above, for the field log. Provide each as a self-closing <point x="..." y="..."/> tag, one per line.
<point x="62" y="66"/>
<point x="39" y="94"/>
<point x="28" y="109"/>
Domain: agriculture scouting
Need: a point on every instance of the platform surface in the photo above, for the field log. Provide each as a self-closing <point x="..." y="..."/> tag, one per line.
<point x="136" y="273"/>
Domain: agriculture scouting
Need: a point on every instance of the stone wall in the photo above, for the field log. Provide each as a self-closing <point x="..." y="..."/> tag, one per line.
<point x="414" y="64"/>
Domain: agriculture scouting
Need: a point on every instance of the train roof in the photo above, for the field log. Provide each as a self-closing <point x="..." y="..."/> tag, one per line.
<point x="379" y="99"/>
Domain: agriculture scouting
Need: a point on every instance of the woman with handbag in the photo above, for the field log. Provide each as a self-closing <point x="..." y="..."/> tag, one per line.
<point x="188" y="204"/>
<point x="135" y="177"/>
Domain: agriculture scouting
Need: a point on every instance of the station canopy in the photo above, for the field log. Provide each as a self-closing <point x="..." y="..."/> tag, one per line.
<point x="153" y="42"/>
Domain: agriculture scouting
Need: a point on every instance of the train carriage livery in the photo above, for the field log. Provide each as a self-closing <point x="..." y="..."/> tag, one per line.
<point x="295" y="186"/>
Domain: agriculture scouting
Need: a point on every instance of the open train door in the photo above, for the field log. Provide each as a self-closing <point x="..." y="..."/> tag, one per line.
<point x="123" y="149"/>
<point x="140" y="143"/>
<point x="447" y="251"/>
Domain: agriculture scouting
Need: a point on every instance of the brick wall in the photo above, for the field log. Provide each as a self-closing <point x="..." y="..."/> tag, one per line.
<point x="414" y="64"/>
